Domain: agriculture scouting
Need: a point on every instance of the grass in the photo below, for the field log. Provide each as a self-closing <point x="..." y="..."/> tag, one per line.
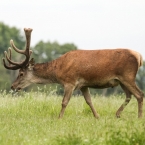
<point x="32" y="119"/>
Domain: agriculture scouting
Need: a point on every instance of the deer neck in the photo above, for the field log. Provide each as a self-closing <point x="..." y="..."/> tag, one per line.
<point x="44" y="73"/>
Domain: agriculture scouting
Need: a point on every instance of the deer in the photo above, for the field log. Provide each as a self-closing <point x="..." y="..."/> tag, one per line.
<point x="80" y="70"/>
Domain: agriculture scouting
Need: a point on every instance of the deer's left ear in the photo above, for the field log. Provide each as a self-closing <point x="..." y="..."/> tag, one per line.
<point x="31" y="64"/>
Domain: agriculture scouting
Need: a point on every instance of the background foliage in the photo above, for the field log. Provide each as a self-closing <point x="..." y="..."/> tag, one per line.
<point x="43" y="52"/>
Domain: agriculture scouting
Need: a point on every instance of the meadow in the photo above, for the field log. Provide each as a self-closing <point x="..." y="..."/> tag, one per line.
<point x="32" y="119"/>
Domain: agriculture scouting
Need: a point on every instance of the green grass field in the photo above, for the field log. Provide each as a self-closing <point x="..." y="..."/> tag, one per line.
<point x="32" y="119"/>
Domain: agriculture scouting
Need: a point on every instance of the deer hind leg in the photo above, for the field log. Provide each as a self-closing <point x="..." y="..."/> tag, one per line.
<point x="86" y="93"/>
<point x="132" y="87"/>
<point x="127" y="100"/>
<point x="68" y="89"/>
<point x="139" y="96"/>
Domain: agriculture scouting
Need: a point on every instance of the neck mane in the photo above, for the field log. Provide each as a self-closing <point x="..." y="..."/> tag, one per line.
<point x="45" y="71"/>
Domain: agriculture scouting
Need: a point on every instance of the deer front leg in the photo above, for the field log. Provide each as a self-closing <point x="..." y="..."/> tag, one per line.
<point x="86" y="93"/>
<point x="68" y="89"/>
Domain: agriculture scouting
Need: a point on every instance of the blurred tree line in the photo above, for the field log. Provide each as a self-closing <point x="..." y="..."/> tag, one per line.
<point x="43" y="52"/>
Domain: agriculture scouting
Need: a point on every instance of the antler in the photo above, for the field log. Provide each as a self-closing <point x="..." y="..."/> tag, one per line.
<point x="26" y="52"/>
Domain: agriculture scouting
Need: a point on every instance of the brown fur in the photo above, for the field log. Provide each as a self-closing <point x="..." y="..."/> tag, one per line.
<point x="82" y="69"/>
<point x="93" y="67"/>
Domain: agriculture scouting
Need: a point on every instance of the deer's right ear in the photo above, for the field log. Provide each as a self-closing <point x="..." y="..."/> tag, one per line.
<point x="31" y="64"/>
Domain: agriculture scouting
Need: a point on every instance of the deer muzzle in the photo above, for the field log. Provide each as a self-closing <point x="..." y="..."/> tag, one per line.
<point x="15" y="89"/>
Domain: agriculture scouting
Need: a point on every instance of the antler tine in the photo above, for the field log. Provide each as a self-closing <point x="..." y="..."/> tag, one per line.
<point x="10" y="52"/>
<point x="14" y="67"/>
<point x="27" y="52"/>
<point x="15" y="48"/>
<point x="15" y="64"/>
<point x="28" y="39"/>
<point x="9" y="57"/>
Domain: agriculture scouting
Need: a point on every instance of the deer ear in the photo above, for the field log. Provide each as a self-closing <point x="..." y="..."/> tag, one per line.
<point x="31" y="64"/>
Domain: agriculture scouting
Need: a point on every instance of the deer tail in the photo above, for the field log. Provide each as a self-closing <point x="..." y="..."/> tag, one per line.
<point x="141" y="61"/>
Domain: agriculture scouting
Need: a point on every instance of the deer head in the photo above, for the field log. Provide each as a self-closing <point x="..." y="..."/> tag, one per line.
<point x="25" y="67"/>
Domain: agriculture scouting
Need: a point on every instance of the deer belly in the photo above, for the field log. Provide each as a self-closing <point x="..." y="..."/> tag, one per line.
<point x="111" y="83"/>
<point x="98" y="84"/>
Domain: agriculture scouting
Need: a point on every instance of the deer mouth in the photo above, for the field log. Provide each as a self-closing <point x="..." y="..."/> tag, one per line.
<point x="18" y="89"/>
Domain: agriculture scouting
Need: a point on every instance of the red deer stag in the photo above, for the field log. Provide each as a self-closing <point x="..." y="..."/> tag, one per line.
<point x="81" y="69"/>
